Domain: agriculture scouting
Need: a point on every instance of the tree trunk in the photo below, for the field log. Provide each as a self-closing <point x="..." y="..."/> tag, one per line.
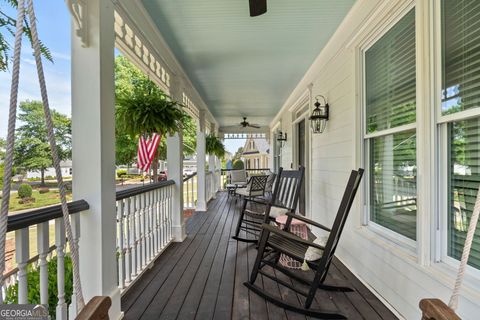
<point x="42" y="175"/>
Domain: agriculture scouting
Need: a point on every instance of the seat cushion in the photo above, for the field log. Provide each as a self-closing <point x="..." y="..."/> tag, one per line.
<point x="313" y="253"/>
<point x="277" y="212"/>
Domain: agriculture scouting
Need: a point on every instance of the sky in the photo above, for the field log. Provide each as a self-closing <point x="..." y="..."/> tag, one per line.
<point x="54" y="31"/>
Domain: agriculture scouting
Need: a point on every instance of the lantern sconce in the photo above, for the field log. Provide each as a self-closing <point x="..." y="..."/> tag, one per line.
<point x="282" y="137"/>
<point x="319" y="115"/>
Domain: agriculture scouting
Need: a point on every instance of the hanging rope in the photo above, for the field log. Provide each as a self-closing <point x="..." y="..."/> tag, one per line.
<point x="56" y="158"/>
<point x="7" y="177"/>
<point x="466" y="253"/>
<point x="51" y="139"/>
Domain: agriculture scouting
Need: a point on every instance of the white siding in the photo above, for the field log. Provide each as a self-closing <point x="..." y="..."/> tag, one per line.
<point x="391" y="271"/>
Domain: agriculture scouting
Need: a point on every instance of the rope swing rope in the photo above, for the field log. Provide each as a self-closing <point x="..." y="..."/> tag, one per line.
<point x="51" y="139"/>
<point x="466" y="253"/>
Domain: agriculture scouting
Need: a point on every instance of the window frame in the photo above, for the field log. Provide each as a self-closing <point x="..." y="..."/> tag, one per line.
<point x="404" y="243"/>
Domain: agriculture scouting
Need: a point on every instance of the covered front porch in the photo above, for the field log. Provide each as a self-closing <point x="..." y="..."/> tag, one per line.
<point x="403" y="94"/>
<point x="202" y="278"/>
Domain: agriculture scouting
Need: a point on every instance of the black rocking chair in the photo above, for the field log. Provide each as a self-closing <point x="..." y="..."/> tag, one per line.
<point x="286" y="193"/>
<point x="255" y="188"/>
<point x="274" y="242"/>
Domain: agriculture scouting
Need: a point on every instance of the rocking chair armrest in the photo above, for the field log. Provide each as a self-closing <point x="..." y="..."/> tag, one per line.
<point x="271" y="229"/>
<point x="308" y="221"/>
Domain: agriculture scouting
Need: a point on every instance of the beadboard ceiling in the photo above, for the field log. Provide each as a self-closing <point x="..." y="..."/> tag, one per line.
<point x="244" y="66"/>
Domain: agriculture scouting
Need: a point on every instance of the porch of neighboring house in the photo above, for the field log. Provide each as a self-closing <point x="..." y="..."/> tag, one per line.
<point x="202" y="278"/>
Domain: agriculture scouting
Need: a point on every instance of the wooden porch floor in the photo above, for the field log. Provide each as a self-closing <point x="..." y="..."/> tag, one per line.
<point x="202" y="278"/>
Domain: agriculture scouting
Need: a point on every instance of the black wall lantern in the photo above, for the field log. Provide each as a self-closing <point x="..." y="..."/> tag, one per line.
<point x="319" y="115"/>
<point x="282" y="137"/>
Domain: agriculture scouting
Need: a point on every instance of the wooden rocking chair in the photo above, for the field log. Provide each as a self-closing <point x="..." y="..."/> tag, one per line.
<point x="284" y="199"/>
<point x="274" y="242"/>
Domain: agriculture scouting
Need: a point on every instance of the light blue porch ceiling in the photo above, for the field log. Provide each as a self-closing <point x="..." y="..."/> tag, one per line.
<point x="245" y="66"/>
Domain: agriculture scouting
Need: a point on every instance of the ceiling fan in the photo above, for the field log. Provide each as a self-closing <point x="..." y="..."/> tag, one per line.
<point x="245" y="124"/>
<point x="257" y="7"/>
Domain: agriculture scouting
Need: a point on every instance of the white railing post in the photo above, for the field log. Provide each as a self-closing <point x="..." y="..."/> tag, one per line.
<point x="174" y="205"/>
<point x="61" y="310"/>
<point x="22" y="255"/>
<point x="93" y="139"/>
<point x="43" y="246"/>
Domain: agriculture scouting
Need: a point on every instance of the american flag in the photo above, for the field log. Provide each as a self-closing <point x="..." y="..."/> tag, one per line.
<point x="146" y="150"/>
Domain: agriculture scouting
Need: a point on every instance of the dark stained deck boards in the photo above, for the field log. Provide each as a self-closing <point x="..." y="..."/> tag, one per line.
<point x="202" y="278"/>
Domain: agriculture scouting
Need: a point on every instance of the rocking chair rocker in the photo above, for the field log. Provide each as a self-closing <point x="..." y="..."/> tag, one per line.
<point x="274" y="242"/>
<point x="284" y="199"/>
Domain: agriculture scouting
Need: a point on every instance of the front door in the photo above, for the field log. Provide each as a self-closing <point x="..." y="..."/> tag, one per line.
<point x="301" y="162"/>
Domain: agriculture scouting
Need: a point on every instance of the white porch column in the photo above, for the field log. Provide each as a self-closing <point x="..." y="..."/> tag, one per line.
<point x="212" y="160"/>
<point x="175" y="172"/>
<point x="93" y="135"/>
<point x="201" y="181"/>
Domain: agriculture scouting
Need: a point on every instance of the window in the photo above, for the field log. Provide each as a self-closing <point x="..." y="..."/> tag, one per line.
<point x="390" y="128"/>
<point x="461" y="92"/>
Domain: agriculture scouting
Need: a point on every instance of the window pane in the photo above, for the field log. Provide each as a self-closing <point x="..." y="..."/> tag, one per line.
<point x="390" y="77"/>
<point x="393" y="186"/>
<point x="461" y="55"/>
<point x="464" y="180"/>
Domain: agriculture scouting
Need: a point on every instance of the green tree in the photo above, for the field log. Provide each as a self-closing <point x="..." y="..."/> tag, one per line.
<point x="3" y="145"/>
<point x="32" y="150"/>
<point x="238" y="154"/>
<point x="8" y="26"/>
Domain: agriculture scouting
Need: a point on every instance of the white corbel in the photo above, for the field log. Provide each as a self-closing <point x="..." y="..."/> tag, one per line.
<point x="78" y="11"/>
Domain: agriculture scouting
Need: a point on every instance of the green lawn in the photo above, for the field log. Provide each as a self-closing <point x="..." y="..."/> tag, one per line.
<point x="41" y="200"/>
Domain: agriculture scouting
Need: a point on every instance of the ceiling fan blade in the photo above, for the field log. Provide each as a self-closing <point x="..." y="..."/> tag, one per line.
<point x="256" y="126"/>
<point x="257" y="7"/>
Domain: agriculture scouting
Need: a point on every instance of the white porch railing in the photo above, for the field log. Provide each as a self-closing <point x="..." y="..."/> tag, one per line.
<point x="144" y="228"/>
<point x="30" y="229"/>
<point x="190" y="191"/>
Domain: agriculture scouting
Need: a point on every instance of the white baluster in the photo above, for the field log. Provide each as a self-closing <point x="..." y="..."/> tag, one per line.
<point x="151" y="229"/>
<point x="22" y="255"/>
<point x="120" y="210"/>
<point x="75" y="222"/>
<point x="138" y="234"/>
<point x="154" y="222"/>
<point x="143" y="213"/>
<point x="133" y="235"/>
<point x="60" y="244"/>
<point x="147" y="227"/>
<point x="169" y="212"/>
<point x="128" y="257"/>
<point x="162" y="216"/>
<point x="43" y="245"/>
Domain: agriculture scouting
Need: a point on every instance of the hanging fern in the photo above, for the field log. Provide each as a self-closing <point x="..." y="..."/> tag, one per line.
<point x="214" y="146"/>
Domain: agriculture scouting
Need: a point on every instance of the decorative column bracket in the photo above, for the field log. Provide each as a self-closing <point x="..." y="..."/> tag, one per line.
<point x="78" y="10"/>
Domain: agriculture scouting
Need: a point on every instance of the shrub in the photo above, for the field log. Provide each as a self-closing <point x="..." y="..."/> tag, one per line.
<point x="33" y="279"/>
<point x="25" y="191"/>
<point x="121" y="173"/>
<point x="43" y="190"/>
<point x="238" y="165"/>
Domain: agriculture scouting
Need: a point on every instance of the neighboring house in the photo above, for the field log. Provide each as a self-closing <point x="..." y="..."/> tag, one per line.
<point x="65" y="167"/>
<point x="256" y="153"/>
